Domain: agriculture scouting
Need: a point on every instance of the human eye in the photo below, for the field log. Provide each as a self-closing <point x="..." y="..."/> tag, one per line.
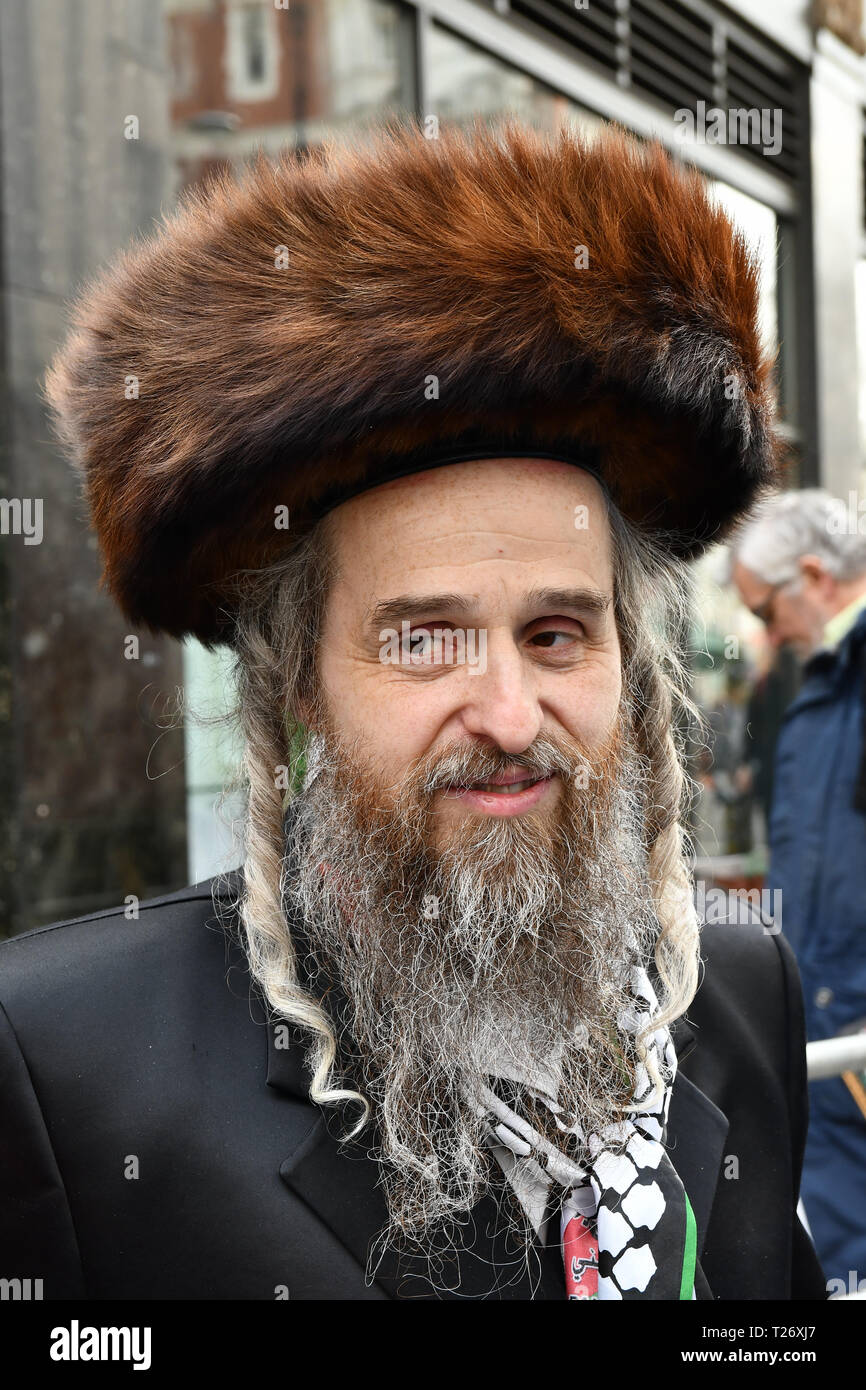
<point x="557" y="635"/>
<point x="416" y="644"/>
<point x="429" y="644"/>
<point x="549" y="637"/>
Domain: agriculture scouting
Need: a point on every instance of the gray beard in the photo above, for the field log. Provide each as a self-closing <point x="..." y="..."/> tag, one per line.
<point x="504" y="952"/>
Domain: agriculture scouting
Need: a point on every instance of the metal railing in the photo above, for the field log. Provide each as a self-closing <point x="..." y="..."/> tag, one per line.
<point x="846" y="1057"/>
<point x="832" y="1056"/>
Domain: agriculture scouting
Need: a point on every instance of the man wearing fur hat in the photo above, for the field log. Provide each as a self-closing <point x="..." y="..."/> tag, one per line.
<point x="431" y="1040"/>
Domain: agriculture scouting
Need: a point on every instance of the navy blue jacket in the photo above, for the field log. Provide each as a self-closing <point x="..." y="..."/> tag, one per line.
<point x="818" y="834"/>
<point x="818" y="863"/>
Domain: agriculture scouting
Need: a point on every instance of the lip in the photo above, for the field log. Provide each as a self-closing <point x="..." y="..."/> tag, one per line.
<point x="498" y="803"/>
<point x="508" y="777"/>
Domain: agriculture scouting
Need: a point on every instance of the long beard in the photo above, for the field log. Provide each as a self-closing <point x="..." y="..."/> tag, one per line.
<point x="505" y="950"/>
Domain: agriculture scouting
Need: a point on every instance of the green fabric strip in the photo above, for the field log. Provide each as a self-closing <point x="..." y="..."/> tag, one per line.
<point x="690" y="1253"/>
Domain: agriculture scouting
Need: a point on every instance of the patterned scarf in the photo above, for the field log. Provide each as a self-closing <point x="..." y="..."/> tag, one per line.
<point x="627" y="1228"/>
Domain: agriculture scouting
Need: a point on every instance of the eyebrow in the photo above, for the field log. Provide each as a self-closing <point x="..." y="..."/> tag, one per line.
<point x="585" y="600"/>
<point x="412" y="607"/>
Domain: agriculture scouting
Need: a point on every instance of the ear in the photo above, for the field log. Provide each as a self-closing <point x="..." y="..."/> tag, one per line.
<point x="813" y="570"/>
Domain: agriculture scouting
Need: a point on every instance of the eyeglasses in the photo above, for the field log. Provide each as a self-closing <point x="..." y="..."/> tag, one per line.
<point x="764" y="610"/>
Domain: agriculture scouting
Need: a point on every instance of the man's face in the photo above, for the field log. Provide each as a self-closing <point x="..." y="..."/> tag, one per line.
<point x="502" y="571"/>
<point x="474" y="931"/>
<point x="794" y="613"/>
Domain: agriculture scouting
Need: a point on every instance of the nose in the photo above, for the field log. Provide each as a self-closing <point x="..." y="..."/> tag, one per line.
<point x="501" y="702"/>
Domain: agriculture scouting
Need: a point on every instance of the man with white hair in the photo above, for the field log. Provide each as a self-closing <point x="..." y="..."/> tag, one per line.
<point x="465" y="913"/>
<point x="800" y="564"/>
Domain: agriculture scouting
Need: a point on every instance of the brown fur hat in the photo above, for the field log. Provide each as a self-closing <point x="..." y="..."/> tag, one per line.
<point x="274" y="344"/>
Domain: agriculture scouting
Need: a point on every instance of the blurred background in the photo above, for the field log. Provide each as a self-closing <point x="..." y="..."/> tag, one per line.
<point x="109" y="109"/>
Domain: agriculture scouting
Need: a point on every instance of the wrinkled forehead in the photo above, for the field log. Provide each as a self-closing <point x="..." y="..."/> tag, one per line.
<point x="512" y="509"/>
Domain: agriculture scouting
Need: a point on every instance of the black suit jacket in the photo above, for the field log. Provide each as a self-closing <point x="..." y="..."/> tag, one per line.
<point x="156" y="1143"/>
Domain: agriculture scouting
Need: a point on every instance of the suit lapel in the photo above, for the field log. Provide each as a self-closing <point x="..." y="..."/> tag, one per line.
<point x="341" y="1185"/>
<point x="696" y="1135"/>
<point x="695" y="1140"/>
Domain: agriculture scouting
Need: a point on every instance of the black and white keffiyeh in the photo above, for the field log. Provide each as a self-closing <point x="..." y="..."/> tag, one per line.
<point x="627" y="1228"/>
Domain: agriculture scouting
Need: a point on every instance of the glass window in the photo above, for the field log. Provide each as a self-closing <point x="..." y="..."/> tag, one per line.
<point x="741" y="685"/>
<point x="736" y="686"/>
<point x="464" y="81"/>
<point x="363" y="52"/>
<point x="252" y="51"/>
<point x="860" y="293"/>
<point x="760" y="227"/>
<point x="212" y="759"/>
<point x="252" y="76"/>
